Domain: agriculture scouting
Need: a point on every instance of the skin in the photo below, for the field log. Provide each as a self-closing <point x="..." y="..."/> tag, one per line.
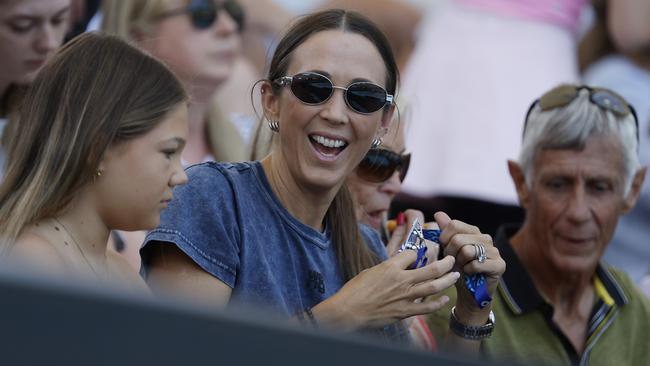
<point x="30" y="32"/>
<point x="203" y="59"/>
<point x="572" y="204"/>
<point x="373" y="199"/>
<point x="136" y="183"/>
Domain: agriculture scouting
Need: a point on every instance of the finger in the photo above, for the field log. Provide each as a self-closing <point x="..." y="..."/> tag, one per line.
<point x="455" y="227"/>
<point x="404" y="259"/>
<point x="459" y="241"/>
<point x="426" y="307"/>
<point x="396" y="240"/>
<point x="433" y="287"/>
<point x="412" y="215"/>
<point x="442" y="219"/>
<point x="494" y="266"/>
<point x="433" y="270"/>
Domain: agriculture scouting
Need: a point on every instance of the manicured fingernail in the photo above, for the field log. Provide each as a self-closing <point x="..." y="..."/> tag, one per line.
<point x="456" y="275"/>
<point x="401" y="218"/>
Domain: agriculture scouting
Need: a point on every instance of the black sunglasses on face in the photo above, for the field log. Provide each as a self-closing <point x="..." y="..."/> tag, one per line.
<point x="605" y="99"/>
<point x="312" y="88"/>
<point x="204" y="12"/>
<point x="380" y="164"/>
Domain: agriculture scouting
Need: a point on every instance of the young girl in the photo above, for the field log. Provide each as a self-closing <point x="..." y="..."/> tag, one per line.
<point x="98" y="148"/>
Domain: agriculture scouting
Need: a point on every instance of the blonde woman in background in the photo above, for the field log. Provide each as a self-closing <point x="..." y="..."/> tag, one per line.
<point x="102" y="130"/>
<point x="30" y="32"/>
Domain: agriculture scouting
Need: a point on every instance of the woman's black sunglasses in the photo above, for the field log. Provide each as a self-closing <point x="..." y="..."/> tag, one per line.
<point x="605" y="99"/>
<point x="380" y="164"/>
<point x="204" y="12"/>
<point x="312" y="88"/>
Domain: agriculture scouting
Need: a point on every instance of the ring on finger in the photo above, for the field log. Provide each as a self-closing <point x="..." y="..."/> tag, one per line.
<point x="480" y="254"/>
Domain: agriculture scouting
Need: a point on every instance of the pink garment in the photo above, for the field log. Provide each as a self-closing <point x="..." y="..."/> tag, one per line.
<point x="565" y="13"/>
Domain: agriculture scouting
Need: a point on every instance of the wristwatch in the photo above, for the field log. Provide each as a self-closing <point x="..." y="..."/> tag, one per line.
<point x="469" y="331"/>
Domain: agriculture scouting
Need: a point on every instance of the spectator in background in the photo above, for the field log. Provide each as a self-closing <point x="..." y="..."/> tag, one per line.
<point x="616" y="54"/>
<point x="373" y="185"/>
<point x="102" y="130"/>
<point x="578" y="172"/>
<point x="476" y="66"/>
<point x="30" y="32"/>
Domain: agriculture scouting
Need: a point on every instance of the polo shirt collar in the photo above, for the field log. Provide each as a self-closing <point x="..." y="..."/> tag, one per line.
<point x="517" y="286"/>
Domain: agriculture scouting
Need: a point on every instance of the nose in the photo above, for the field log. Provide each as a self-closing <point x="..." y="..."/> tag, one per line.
<point x="225" y="24"/>
<point x="48" y="39"/>
<point x="392" y="186"/>
<point x="578" y="208"/>
<point x="335" y="109"/>
<point x="179" y="177"/>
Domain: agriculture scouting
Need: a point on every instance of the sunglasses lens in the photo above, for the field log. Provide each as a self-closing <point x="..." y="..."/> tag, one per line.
<point x="204" y="13"/>
<point x="609" y="101"/>
<point x="236" y="12"/>
<point x="406" y="161"/>
<point x="558" y="97"/>
<point x="378" y="165"/>
<point x="366" y="97"/>
<point x="311" y="88"/>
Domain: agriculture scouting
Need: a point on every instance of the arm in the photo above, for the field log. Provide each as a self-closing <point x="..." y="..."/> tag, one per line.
<point x="457" y="237"/>
<point x="628" y="23"/>
<point x="173" y="273"/>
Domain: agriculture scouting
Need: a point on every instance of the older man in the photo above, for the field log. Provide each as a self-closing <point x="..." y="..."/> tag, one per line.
<point x="578" y="172"/>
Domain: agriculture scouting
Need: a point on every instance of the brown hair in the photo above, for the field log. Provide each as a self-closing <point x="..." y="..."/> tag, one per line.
<point x="353" y="254"/>
<point x="96" y="91"/>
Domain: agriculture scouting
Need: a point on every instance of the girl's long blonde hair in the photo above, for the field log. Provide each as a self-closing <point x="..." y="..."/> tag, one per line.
<point x="97" y="91"/>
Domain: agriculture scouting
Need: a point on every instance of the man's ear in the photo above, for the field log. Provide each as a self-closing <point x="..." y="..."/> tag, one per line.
<point x="270" y="102"/>
<point x="519" y="180"/>
<point x="635" y="189"/>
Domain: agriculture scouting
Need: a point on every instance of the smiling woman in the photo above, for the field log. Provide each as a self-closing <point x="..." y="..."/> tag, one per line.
<point x="282" y="233"/>
<point x="102" y="131"/>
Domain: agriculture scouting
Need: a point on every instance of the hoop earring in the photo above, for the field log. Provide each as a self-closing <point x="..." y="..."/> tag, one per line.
<point x="376" y="142"/>
<point x="274" y="125"/>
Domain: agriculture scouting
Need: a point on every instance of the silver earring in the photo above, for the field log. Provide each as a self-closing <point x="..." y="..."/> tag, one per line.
<point x="274" y="125"/>
<point x="376" y="142"/>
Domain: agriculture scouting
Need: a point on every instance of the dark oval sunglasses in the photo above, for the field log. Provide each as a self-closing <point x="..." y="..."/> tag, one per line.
<point x="380" y="164"/>
<point x="204" y="12"/>
<point x="313" y="88"/>
<point x="605" y="99"/>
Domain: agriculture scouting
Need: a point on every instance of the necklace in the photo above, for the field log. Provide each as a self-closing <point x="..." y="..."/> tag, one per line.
<point x="92" y="268"/>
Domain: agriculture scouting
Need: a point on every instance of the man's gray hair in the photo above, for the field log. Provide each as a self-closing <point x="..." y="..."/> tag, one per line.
<point x="570" y="127"/>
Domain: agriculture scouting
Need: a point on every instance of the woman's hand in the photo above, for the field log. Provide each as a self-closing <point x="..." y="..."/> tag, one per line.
<point x="388" y="292"/>
<point x="457" y="238"/>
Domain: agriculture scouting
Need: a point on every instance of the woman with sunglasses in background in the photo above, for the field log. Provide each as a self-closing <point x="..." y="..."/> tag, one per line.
<point x="282" y="234"/>
<point x="102" y="129"/>
<point x="199" y="41"/>
<point x="30" y="32"/>
<point x="373" y="185"/>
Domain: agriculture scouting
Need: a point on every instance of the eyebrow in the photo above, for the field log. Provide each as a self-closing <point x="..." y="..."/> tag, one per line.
<point x="329" y="76"/>
<point x="180" y="141"/>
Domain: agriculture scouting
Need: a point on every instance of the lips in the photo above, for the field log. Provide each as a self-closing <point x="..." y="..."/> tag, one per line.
<point x="328" y="146"/>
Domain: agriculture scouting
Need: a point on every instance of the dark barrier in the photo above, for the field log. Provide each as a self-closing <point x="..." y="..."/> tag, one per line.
<point x="43" y="322"/>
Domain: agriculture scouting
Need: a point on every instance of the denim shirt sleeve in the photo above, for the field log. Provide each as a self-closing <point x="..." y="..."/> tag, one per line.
<point x="202" y="222"/>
